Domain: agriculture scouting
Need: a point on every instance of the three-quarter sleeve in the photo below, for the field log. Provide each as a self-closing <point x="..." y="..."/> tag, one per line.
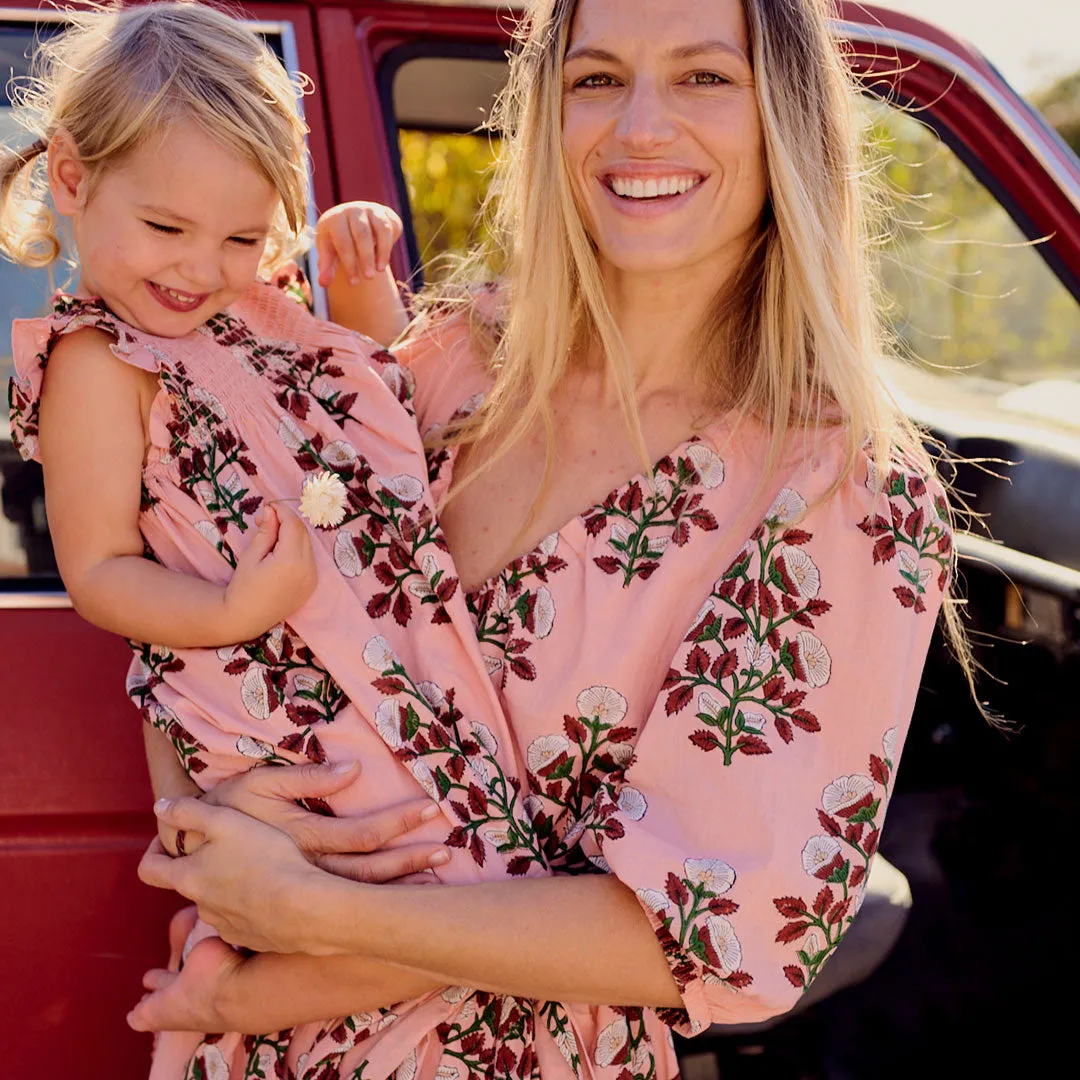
<point x="747" y="818"/>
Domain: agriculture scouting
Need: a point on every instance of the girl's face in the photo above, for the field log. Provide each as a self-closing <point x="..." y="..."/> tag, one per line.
<point x="173" y="234"/>
<point x="661" y="134"/>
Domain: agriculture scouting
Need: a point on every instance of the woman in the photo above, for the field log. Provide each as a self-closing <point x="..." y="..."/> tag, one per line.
<point x="709" y="664"/>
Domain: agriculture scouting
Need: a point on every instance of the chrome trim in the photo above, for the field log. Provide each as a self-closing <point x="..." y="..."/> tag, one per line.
<point x="1018" y="120"/>
<point x="291" y="57"/>
<point x="35" y="601"/>
<point x="1022" y="569"/>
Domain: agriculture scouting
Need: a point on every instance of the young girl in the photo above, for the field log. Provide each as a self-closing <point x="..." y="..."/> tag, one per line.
<point x="181" y="408"/>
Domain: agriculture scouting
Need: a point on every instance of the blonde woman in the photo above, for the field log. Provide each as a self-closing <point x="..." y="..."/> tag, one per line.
<point x="735" y="552"/>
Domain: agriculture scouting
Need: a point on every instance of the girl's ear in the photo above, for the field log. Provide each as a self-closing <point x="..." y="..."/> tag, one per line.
<point x="68" y="175"/>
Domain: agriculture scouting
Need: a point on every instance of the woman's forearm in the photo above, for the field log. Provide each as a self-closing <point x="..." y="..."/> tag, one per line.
<point x="525" y="938"/>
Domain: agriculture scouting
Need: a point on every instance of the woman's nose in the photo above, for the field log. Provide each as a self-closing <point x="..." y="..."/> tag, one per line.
<point x="646" y="122"/>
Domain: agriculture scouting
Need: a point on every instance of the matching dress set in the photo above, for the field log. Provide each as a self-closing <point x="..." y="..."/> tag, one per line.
<point x="692" y="685"/>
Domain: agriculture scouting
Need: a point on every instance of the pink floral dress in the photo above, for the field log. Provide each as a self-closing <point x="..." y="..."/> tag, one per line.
<point x="713" y="714"/>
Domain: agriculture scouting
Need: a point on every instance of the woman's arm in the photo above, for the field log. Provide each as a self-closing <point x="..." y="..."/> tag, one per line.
<point x="92" y="447"/>
<point x="523" y="937"/>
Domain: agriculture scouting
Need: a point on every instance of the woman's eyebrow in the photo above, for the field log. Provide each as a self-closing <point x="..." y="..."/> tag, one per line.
<point x="680" y="52"/>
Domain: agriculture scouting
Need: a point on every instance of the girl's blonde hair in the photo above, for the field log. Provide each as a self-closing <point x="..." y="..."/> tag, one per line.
<point x="116" y="77"/>
<point x="792" y="342"/>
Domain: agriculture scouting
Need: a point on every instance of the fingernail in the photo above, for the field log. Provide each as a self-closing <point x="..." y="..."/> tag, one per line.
<point x="162" y="805"/>
<point x="439" y="858"/>
<point x="341" y="768"/>
<point x="430" y="812"/>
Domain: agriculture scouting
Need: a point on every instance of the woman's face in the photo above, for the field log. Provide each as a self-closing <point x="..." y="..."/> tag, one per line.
<point x="662" y="135"/>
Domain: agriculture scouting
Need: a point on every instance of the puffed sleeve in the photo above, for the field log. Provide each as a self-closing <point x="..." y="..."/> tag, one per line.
<point x="753" y="805"/>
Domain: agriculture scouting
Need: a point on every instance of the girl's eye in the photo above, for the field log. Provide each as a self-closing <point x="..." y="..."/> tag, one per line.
<point x="166" y="230"/>
<point x="244" y="241"/>
<point x="707" y="78"/>
<point x="595" y="82"/>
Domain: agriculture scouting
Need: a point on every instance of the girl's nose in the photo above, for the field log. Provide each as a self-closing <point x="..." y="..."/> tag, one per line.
<point x="646" y="122"/>
<point x="202" y="270"/>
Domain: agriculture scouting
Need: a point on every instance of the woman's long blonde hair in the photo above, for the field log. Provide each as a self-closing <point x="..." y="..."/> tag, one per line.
<point x="116" y="77"/>
<point x="792" y="342"/>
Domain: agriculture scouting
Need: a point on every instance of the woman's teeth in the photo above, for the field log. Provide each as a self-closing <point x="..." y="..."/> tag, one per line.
<point x="653" y="187"/>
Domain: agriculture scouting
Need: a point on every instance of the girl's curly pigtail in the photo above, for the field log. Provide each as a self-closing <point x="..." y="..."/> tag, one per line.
<point x="27" y="226"/>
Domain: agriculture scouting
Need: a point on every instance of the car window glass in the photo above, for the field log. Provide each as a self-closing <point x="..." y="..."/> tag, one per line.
<point x="986" y="326"/>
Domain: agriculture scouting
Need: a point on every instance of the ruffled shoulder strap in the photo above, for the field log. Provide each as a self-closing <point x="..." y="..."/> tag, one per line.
<point x="32" y="342"/>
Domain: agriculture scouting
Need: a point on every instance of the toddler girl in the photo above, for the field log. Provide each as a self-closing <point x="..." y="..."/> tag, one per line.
<point x="181" y="406"/>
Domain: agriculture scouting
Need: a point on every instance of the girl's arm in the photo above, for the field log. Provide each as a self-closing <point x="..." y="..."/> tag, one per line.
<point x="353" y="241"/>
<point x="92" y="446"/>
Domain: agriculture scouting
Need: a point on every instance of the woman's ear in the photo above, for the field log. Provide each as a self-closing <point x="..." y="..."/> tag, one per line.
<point x="68" y="175"/>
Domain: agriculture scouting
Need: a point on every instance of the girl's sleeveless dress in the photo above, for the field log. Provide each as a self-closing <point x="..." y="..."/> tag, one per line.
<point x="381" y="656"/>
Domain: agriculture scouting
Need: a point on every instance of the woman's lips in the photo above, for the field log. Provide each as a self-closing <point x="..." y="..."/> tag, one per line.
<point x="176" y="299"/>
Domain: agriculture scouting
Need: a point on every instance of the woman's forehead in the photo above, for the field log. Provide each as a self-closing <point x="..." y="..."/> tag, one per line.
<point x="669" y="26"/>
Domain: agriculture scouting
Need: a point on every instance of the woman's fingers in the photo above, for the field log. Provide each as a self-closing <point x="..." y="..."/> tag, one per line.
<point x="361" y="229"/>
<point x="158" y="979"/>
<point x="319" y="835"/>
<point x="289" y="782"/>
<point x="386" y="865"/>
<point x="386" y="226"/>
<point x="327" y="256"/>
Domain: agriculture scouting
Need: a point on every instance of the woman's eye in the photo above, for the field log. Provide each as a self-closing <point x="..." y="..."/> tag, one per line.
<point x="707" y="78"/>
<point x="595" y="82"/>
<point x="166" y="230"/>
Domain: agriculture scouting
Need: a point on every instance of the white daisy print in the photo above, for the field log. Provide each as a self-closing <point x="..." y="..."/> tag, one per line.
<point x="845" y="791"/>
<point x="816" y="661"/>
<point x="602" y="703"/>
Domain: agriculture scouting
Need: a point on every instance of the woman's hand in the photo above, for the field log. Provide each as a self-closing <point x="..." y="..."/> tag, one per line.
<point x="351" y="847"/>
<point x="248" y="879"/>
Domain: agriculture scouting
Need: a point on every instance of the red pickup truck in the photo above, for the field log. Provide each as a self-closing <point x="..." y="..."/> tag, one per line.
<point x="983" y="274"/>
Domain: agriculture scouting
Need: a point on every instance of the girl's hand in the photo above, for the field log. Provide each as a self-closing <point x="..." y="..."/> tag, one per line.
<point x="356" y="237"/>
<point x="274" y="576"/>
<point x="350" y="847"/>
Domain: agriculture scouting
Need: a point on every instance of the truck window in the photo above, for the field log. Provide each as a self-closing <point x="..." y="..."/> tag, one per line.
<point x="985" y="324"/>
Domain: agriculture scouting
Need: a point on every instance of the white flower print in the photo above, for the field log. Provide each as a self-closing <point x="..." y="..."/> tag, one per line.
<point x="432" y="693"/>
<point x="754" y="721"/>
<point x="533" y="804"/>
<point x="339" y="454"/>
<point x="574" y="832"/>
<point x="28" y="448"/>
<point x="655" y="900"/>
<point x="910" y="565"/>
<point x="787" y="505"/>
<point x="266" y="1058"/>
<point x="422" y="774"/>
<point x="255" y="749"/>
<point x="812" y="945"/>
<point x="706" y="609"/>
<point x="231" y="482"/>
<point x="888" y="744"/>
<point x="493" y="664"/>
<point x="803" y="572"/>
<point x="482" y="734"/>
<point x="290" y="434"/>
<point x="816" y="661"/>
<point x="845" y="791"/>
<point x="213" y="403"/>
<point x="500" y="598"/>
<point x="612" y="1042"/>
<point x="715" y="874"/>
<point x="443" y="1072"/>
<point x="600" y="863"/>
<point x="204" y="492"/>
<point x="215" y="1067"/>
<point x="378" y="655"/>
<point x="208" y="531"/>
<point x="708" y="704"/>
<point x="544" y="612"/>
<point x="620" y="533"/>
<point x="454" y="994"/>
<point x="421" y="586"/>
<point x="728" y="949"/>
<point x="346" y="557"/>
<point x="404" y="488"/>
<point x="872" y="475"/>
<point x="632" y="803"/>
<point x="656" y="546"/>
<point x="227" y="652"/>
<point x="819" y="851"/>
<point x="274" y="642"/>
<point x="396" y="379"/>
<point x="567" y="1045"/>
<point x="255" y="693"/>
<point x="549" y="544"/>
<point x="497" y="837"/>
<point x="407" y="1069"/>
<point x="544" y="750"/>
<point x="305" y="684"/>
<point x="388" y="722"/>
<point x="620" y="753"/>
<point x="137" y="679"/>
<point x="602" y="703"/>
<point x="709" y="465"/>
